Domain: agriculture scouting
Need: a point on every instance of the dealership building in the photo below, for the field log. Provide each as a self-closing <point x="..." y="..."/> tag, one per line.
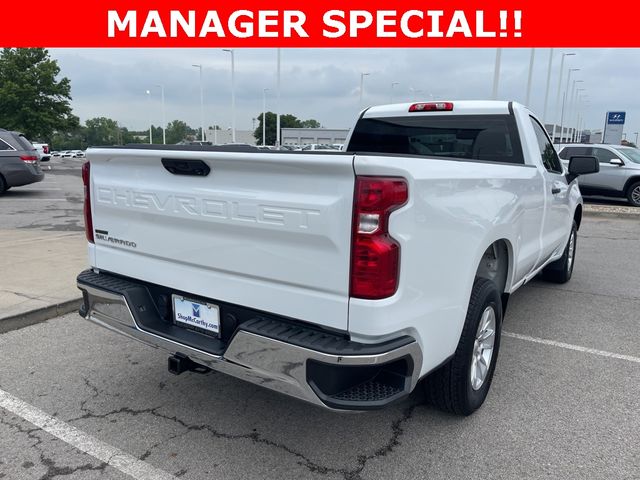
<point x="305" y="136"/>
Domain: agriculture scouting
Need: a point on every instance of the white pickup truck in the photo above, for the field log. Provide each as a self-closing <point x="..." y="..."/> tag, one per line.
<point x="344" y="279"/>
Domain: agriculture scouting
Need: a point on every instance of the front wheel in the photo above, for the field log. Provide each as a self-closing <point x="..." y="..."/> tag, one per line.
<point x="633" y="194"/>
<point x="461" y="385"/>
<point x="561" y="270"/>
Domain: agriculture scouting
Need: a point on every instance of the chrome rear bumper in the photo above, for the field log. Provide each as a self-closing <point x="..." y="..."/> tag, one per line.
<point x="265" y="361"/>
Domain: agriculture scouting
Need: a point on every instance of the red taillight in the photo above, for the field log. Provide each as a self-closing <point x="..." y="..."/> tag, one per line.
<point x="32" y="159"/>
<point x="88" y="219"/>
<point x="431" y="107"/>
<point x="375" y="255"/>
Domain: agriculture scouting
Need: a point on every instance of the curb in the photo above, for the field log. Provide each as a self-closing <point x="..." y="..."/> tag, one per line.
<point x="609" y="214"/>
<point x="38" y="315"/>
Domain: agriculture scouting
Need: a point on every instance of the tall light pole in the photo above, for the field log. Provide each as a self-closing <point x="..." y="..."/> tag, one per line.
<point x="393" y="84"/>
<point x="164" y="117"/>
<point x="557" y="110"/>
<point x="278" y="102"/>
<point x="233" y="93"/>
<point x="636" y="134"/>
<point x="575" y="106"/>
<point x="362" y="75"/>
<point x="496" y="74"/>
<point x="546" y="92"/>
<point x="149" y="113"/>
<point x="264" y="116"/>
<point x="199" y="66"/>
<point x="531" y="60"/>
<point x="565" y="102"/>
<point x="571" y="102"/>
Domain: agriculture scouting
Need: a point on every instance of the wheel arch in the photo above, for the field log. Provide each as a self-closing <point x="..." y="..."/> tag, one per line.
<point x="630" y="181"/>
<point x="577" y="216"/>
<point x="496" y="264"/>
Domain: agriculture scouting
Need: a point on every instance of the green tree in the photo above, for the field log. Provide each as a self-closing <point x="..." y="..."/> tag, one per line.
<point x="178" y="131"/>
<point x="102" y="131"/>
<point x="286" y="121"/>
<point x="32" y="98"/>
<point x="311" y="123"/>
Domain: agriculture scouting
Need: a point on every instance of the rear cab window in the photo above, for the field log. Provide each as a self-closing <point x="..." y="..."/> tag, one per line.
<point x="490" y="138"/>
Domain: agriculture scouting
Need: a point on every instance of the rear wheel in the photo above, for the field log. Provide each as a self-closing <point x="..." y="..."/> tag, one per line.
<point x="3" y="185"/>
<point x="462" y="385"/>
<point x="561" y="270"/>
<point x="633" y="194"/>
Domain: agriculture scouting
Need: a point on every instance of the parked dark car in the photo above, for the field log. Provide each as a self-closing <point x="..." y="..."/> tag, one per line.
<point x="19" y="161"/>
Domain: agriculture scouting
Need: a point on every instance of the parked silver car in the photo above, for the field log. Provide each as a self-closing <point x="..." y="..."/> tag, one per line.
<point x="619" y="174"/>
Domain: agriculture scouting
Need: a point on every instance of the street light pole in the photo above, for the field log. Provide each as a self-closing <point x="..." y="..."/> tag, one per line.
<point x="233" y="93"/>
<point x="164" y="118"/>
<point x="278" y="103"/>
<point x="393" y="84"/>
<point x="576" y="107"/>
<point x="546" y="92"/>
<point x="557" y="110"/>
<point x="149" y="116"/>
<point x="565" y="102"/>
<point x="533" y="56"/>
<point x="362" y="75"/>
<point x="264" y="116"/>
<point x="572" y="101"/>
<point x="496" y="74"/>
<point x="636" y="134"/>
<point x="201" y="104"/>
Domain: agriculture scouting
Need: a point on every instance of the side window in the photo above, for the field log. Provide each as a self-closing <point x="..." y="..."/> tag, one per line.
<point x="4" y="145"/>
<point x="603" y="155"/>
<point x="550" y="159"/>
<point x="569" y="152"/>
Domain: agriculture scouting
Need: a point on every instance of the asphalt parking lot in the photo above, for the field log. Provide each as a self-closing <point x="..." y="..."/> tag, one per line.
<point x="563" y="404"/>
<point x="55" y="204"/>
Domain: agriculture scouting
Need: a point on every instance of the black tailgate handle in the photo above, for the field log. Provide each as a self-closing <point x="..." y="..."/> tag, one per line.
<point x="179" y="166"/>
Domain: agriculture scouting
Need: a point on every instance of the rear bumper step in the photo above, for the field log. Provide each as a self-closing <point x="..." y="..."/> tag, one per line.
<point x="324" y="368"/>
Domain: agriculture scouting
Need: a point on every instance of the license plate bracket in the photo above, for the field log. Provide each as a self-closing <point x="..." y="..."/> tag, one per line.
<point x="196" y="315"/>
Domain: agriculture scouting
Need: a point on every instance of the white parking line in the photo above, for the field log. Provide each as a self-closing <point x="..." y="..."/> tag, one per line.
<point x="569" y="346"/>
<point x="104" y="452"/>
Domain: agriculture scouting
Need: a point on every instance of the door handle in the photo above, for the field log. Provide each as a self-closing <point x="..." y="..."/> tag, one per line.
<point x="555" y="191"/>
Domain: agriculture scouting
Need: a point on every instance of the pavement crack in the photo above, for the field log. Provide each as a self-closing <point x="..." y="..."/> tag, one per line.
<point x="53" y="470"/>
<point x="397" y="430"/>
<point x="20" y="294"/>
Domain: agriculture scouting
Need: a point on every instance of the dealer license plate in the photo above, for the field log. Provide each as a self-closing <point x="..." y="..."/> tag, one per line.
<point x="190" y="313"/>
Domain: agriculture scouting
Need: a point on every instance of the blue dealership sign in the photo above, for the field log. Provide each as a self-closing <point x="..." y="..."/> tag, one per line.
<point x="615" y="118"/>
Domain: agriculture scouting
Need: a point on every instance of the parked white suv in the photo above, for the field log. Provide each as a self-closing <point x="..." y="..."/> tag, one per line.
<point x="344" y="279"/>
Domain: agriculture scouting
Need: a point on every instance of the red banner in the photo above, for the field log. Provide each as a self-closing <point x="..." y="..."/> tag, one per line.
<point x="287" y="23"/>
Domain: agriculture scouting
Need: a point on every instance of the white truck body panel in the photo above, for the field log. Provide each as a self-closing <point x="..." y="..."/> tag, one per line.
<point x="271" y="232"/>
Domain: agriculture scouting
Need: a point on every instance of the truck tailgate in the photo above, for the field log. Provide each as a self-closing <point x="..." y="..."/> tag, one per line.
<point x="270" y="231"/>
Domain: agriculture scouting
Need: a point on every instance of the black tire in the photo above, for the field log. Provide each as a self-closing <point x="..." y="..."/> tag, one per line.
<point x="3" y="185"/>
<point x="633" y="194"/>
<point x="561" y="270"/>
<point x="450" y="387"/>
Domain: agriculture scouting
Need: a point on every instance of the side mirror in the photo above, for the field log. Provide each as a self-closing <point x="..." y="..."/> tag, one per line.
<point x="582" y="165"/>
<point x="616" y="161"/>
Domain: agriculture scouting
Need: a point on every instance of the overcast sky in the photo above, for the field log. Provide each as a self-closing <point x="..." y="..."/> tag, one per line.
<point x="324" y="83"/>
